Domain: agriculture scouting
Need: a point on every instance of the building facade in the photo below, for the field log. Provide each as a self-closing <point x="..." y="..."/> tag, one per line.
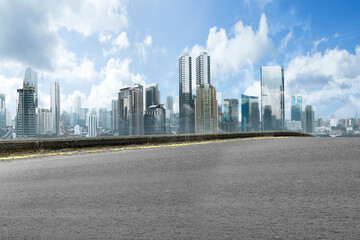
<point x="115" y="115"/>
<point x="250" y="116"/>
<point x="186" y="101"/>
<point x="92" y="125"/>
<point x="272" y="98"/>
<point x="206" y="109"/>
<point x="203" y="69"/>
<point x="152" y="95"/>
<point x="44" y="122"/>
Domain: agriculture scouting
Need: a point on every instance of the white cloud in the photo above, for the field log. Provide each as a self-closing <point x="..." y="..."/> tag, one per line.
<point x="254" y="90"/>
<point x="119" y="43"/>
<point x="105" y="36"/>
<point x="229" y="54"/>
<point x="68" y="101"/>
<point x="142" y="47"/>
<point x="285" y="41"/>
<point x="326" y="80"/>
<point x="88" y="16"/>
<point x="9" y="87"/>
<point x="116" y="75"/>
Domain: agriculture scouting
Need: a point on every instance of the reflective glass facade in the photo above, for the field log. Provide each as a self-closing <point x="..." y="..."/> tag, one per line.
<point x="272" y="98"/>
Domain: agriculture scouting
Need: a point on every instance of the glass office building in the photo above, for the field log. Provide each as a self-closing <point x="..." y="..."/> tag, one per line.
<point x="296" y="108"/>
<point x="250" y="116"/>
<point x="272" y="98"/>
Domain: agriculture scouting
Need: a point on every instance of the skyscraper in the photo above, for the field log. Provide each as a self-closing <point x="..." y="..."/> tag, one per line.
<point x="296" y="108"/>
<point x="2" y="111"/>
<point x="230" y="121"/>
<point x="131" y="117"/>
<point x="115" y="114"/>
<point x="186" y="102"/>
<point x="31" y="80"/>
<point x="92" y="125"/>
<point x="152" y="95"/>
<point x="272" y="98"/>
<point x="169" y="103"/>
<point x="25" y="117"/>
<point x="203" y="69"/>
<point x="44" y="122"/>
<point x="308" y="119"/>
<point x="206" y="109"/>
<point x="55" y="107"/>
<point x="250" y="116"/>
<point x="103" y="118"/>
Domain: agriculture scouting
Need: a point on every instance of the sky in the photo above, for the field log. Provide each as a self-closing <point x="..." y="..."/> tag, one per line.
<point x="96" y="47"/>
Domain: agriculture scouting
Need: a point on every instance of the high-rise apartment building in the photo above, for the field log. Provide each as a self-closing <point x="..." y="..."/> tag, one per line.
<point x="103" y="118"/>
<point x="2" y="111"/>
<point x="206" y="109"/>
<point x="230" y="116"/>
<point x="25" y="117"/>
<point x="131" y="117"/>
<point x="272" y="98"/>
<point x="206" y="106"/>
<point x="250" y="116"/>
<point x="152" y="95"/>
<point x="186" y="101"/>
<point x="308" y="119"/>
<point x="55" y="107"/>
<point x="92" y="125"/>
<point x="296" y="108"/>
<point x="31" y="80"/>
<point x="203" y="69"/>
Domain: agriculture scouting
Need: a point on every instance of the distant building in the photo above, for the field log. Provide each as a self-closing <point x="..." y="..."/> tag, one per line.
<point x="294" y="125"/>
<point x="154" y="120"/>
<point x="55" y="107"/>
<point x="203" y="69"/>
<point x="44" y="122"/>
<point x="230" y="115"/>
<point x="115" y="114"/>
<point x="25" y="117"/>
<point x="9" y="122"/>
<point x="152" y="95"/>
<point x="131" y="117"/>
<point x="250" y="116"/>
<point x="103" y="118"/>
<point x="31" y="80"/>
<point x="206" y="109"/>
<point x="92" y="125"/>
<point x="186" y="102"/>
<point x="308" y="119"/>
<point x="169" y="103"/>
<point x="272" y="98"/>
<point x="296" y="108"/>
<point x="2" y="111"/>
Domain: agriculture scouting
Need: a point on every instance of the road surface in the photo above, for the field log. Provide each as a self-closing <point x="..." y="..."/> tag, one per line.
<point x="286" y="188"/>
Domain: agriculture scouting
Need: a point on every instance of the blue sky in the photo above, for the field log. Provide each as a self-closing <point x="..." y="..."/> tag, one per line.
<point x="94" y="48"/>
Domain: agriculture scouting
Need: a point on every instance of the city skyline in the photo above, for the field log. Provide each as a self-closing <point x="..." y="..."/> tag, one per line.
<point x="95" y="56"/>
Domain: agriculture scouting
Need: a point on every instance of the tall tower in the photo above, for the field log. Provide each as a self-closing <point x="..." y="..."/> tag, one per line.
<point x="2" y="111"/>
<point x="25" y="120"/>
<point x="55" y="107"/>
<point x="250" y="116"/>
<point x="152" y="95"/>
<point x="131" y="113"/>
<point x="206" y="106"/>
<point x="272" y="98"/>
<point x="169" y="102"/>
<point x="296" y="108"/>
<point x="31" y="80"/>
<point x="186" y="102"/>
<point x="308" y="119"/>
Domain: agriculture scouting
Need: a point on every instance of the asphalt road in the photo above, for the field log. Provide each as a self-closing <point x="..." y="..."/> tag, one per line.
<point x="293" y="188"/>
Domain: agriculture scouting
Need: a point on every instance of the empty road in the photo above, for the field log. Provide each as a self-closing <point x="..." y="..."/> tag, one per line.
<point x="286" y="188"/>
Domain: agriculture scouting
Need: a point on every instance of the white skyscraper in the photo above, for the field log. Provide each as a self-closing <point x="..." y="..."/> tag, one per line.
<point x="31" y="80"/>
<point x="55" y="106"/>
<point x="92" y="126"/>
<point x="203" y="69"/>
